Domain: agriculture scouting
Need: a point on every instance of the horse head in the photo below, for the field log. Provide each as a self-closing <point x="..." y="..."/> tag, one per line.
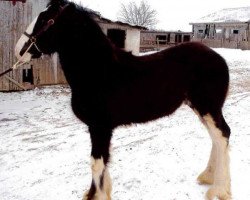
<point x="41" y="35"/>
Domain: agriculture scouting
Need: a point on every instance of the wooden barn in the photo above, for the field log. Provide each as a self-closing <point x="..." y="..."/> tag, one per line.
<point x="227" y="28"/>
<point x="122" y="34"/>
<point x="158" y="40"/>
<point x="16" y="15"/>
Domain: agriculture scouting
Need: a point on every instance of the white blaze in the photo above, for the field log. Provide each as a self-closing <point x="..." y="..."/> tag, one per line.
<point x="21" y="42"/>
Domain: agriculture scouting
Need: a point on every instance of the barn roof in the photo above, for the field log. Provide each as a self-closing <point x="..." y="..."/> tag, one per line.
<point x="98" y="17"/>
<point x="227" y="15"/>
<point x="165" y="32"/>
<point x="108" y="21"/>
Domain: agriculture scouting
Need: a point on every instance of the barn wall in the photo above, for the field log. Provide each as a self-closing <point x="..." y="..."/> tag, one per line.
<point x="149" y="40"/>
<point x="216" y="43"/>
<point x="222" y="35"/>
<point x="13" y="19"/>
<point x="13" y="22"/>
<point x="221" y="31"/>
<point x="132" y="42"/>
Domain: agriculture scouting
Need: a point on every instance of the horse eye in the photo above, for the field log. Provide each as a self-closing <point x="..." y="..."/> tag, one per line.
<point x="42" y="21"/>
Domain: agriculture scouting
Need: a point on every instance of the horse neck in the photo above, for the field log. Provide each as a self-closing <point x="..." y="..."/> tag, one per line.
<point x="85" y="54"/>
<point x="83" y="42"/>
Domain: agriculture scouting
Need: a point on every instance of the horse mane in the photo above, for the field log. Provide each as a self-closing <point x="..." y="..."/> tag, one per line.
<point x="89" y="12"/>
<point x="90" y="16"/>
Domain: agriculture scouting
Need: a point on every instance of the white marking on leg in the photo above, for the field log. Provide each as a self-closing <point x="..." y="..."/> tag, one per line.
<point x="221" y="187"/>
<point x="100" y="170"/>
<point x="21" y="42"/>
<point x="207" y="176"/>
<point x="97" y="166"/>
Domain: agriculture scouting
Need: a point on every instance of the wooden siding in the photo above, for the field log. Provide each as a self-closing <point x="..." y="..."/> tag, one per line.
<point x="14" y="20"/>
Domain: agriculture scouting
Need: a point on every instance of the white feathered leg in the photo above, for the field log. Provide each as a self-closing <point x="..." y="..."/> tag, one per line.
<point x="222" y="182"/>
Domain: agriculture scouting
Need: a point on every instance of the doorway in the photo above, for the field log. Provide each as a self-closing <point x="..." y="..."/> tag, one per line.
<point x="28" y="76"/>
<point x="186" y="38"/>
<point x="117" y="36"/>
<point x="178" y="38"/>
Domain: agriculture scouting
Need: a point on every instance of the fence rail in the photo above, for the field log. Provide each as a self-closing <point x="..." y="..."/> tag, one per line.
<point x="222" y="43"/>
<point x="149" y="45"/>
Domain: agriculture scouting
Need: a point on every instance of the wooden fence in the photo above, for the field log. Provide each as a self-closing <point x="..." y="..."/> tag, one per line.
<point x="156" y="45"/>
<point x="222" y="43"/>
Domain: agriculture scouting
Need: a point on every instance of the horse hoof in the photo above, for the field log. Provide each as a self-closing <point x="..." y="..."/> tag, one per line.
<point x="95" y="197"/>
<point x="85" y="196"/>
<point x="220" y="192"/>
<point x="206" y="178"/>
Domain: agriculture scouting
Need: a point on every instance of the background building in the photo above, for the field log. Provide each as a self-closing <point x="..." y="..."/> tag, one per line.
<point x="228" y="28"/>
<point x="159" y="40"/>
<point x="123" y="35"/>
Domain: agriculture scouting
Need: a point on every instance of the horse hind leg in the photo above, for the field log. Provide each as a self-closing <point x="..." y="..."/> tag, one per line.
<point x="101" y="187"/>
<point x="207" y="176"/>
<point x="217" y="171"/>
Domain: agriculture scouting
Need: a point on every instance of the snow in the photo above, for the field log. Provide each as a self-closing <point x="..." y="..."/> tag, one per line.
<point x="44" y="152"/>
<point x="241" y="14"/>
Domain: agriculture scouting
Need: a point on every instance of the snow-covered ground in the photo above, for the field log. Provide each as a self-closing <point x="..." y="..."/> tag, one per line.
<point x="44" y="149"/>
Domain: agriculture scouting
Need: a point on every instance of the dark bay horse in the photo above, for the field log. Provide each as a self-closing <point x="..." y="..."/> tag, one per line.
<point x="111" y="87"/>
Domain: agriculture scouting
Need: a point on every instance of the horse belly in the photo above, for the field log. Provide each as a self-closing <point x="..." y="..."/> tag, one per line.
<point x="145" y="102"/>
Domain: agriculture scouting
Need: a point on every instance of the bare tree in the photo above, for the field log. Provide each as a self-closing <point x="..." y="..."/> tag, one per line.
<point x="141" y="15"/>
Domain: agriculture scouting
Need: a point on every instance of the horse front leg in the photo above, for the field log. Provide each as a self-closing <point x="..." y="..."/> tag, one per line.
<point x="101" y="186"/>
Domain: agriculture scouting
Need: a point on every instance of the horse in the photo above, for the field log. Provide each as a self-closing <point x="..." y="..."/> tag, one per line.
<point x="111" y="87"/>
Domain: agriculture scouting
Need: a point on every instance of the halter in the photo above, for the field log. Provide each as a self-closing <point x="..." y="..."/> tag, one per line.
<point x="33" y="39"/>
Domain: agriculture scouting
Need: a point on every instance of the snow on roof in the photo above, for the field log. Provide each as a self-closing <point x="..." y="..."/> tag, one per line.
<point x="241" y="14"/>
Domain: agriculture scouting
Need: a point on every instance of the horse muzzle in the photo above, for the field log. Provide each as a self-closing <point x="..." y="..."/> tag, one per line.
<point x="25" y="50"/>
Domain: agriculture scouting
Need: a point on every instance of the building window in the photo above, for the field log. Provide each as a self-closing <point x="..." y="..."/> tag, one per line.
<point x="200" y="31"/>
<point x="117" y="36"/>
<point x="235" y="31"/>
<point x="161" y="39"/>
<point x="186" y="38"/>
<point x="218" y="30"/>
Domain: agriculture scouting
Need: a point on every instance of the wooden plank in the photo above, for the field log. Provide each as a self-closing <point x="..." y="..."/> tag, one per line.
<point x="15" y="82"/>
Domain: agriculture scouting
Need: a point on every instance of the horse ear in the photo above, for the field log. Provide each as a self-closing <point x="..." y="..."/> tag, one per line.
<point x="52" y="2"/>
